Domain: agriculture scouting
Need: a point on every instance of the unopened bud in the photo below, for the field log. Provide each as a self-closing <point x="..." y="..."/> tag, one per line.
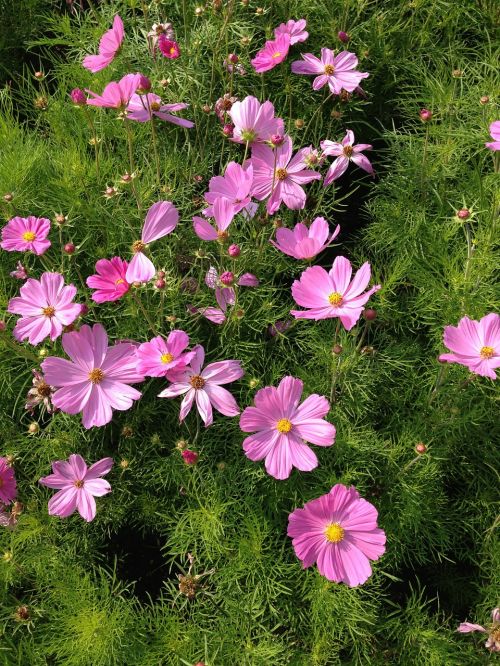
<point x="60" y="219"/>
<point x="78" y="97"/>
<point x="370" y="314"/>
<point x="69" y="248"/>
<point x="463" y="214"/>
<point x="234" y="250"/>
<point x="227" y="278"/>
<point x="43" y="352"/>
<point x="33" y="428"/>
<point x="189" y="457"/>
<point x="144" y="84"/>
<point x="343" y="36"/>
<point x="124" y="463"/>
<point x="127" y="432"/>
<point x="420" y="448"/>
<point x="299" y="123"/>
<point x="337" y="349"/>
<point x="425" y="115"/>
<point x="484" y="100"/>
<point x="368" y="350"/>
<point x="206" y="108"/>
<point x="8" y="197"/>
<point x="228" y="129"/>
<point x="232" y="57"/>
<point x="160" y="284"/>
<point x="277" y="140"/>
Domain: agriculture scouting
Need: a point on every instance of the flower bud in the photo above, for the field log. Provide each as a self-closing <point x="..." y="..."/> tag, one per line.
<point x="484" y="100"/>
<point x="189" y="457"/>
<point x="110" y="192"/>
<point x="198" y="11"/>
<point x="227" y="278"/>
<point x="245" y="40"/>
<point x="3" y="326"/>
<point x="9" y="460"/>
<point x="144" y="84"/>
<point x="368" y="350"/>
<point x="8" y="197"/>
<point x="463" y="214"/>
<point x="420" y="448"/>
<point x="69" y="248"/>
<point x="160" y="275"/>
<point x="232" y="57"/>
<point x="337" y="349"/>
<point x="22" y="614"/>
<point x="39" y="76"/>
<point x="78" y="97"/>
<point x="370" y="314"/>
<point x="43" y="352"/>
<point x="253" y="383"/>
<point x="234" y="250"/>
<point x="425" y="115"/>
<point x="126" y="178"/>
<point x="343" y="36"/>
<point x="60" y="219"/>
<point x="277" y="140"/>
<point x="299" y="123"/>
<point x="165" y="83"/>
<point x="33" y="428"/>
<point x="127" y="432"/>
<point x="171" y="319"/>
<point x="221" y="466"/>
<point x="228" y="129"/>
<point x="181" y="444"/>
<point x="124" y="463"/>
<point x="160" y="284"/>
<point x="41" y="103"/>
<point x="259" y="11"/>
<point x="456" y="73"/>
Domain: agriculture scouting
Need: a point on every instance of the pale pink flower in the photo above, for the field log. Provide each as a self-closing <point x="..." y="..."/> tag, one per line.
<point x="495" y="135"/>
<point x="273" y="52"/>
<point x="158" y="357"/>
<point x="338" y="71"/>
<point x="161" y="220"/>
<point x="493" y="631"/>
<point x="108" y="47"/>
<point x="8" y="488"/>
<point x="475" y="344"/>
<point x="169" y="47"/>
<point x="339" y="532"/>
<point x="235" y="185"/>
<point x="282" y="427"/>
<point x="295" y="29"/>
<point x="345" y="152"/>
<point x="223" y="212"/>
<point x="46" y="307"/>
<point x="333" y="294"/>
<point x="279" y="176"/>
<point x="254" y="122"/>
<point x="110" y="283"/>
<point x="20" y="273"/>
<point x="96" y="379"/>
<point x="143" y="107"/>
<point x="26" y="234"/>
<point x="77" y="485"/>
<point x="116" y="95"/>
<point x="303" y="242"/>
<point x="203" y="386"/>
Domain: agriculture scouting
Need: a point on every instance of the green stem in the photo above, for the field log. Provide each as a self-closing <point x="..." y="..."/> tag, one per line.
<point x="21" y="351"/>
<point x="144" y="312"/>
<point x="94" y="139"/>
<point x="130" y="145"/>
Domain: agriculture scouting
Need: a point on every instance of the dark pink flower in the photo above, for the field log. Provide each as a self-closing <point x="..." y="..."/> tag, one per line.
<point x="189" y="457"/>
<point x="110" y="280"/>
<point x="345" y="152"/>
<point x="273" y="52"/>
<point x="169" y="48"/>
<point x="116" y="95"/>
<point x="338" y="71"/>
<point x="26" y="234"/>
<point x="158" y="357"/>
<point x="108" y="47"/>
<point x="8" y="488"/>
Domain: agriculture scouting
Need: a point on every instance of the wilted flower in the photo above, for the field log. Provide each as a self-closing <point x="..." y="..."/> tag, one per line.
<point x="493" y="631"/>
<point x="223" y="106"/>
<point x="20" y="273"/>
<point x="40" y="392"/>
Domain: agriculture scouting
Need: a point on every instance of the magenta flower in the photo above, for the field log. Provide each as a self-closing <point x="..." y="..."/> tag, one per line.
<point x="339" y="72"/>
<point x="303" y="242"/>
<point x="345" y="152"/>
<point x="108" y="47"/>
<point x="333" y="294"/>
<point x="116" y="95"/>
<point x="96" y="379"/>
<point x="109" y="282"/>
<point x="46" y="306"/>
<point x="26" y="234"/>
<point x="8" y="488"/>
<point x="295" y="30"/>
<point x="493" y="631"/>
<point x="77" y="485"/>
<point x="254" y="122"/>
<point x="158" y="357"/>
<point x="223" y="213"/>
<point x="282" y="427"/>
<point x="161" y="220"/>
<point x="169" y="47"/>
<point x="475" y="344"/>
<point x="272" y="54"/>
<point x="20" y="273"/>
<point x="235" y="185"/>
<point x="143" y="107"/>
<point x="495" y="135"/>
<point x="339" y="532"/>
<point x="204" y="387"/>
<point x="279" y="176"/>
<point x="78" y="97"/>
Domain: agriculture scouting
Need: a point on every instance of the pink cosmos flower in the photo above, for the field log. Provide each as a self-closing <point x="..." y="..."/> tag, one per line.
<point x="108" y="47"/>
<point x="339" y="72"/>
<point x="110" y="282"/>
<point x="46" y="306"/>
<point x="96" y="379"/>
<point x="282" y="427"/>
<point x="143" y="107"/>
<point x="116" y="95"/>
<point x="224" y="293"/>
<point x="273" y="52"/>
<point x="204" y="387"/>
<point x="493" y="632"/>
<point x="223" y="213"/>
<point x="333" y="294"/>
<point x="161" y="220"/>
<point x="475" y="344"/>
<point x="295" y="29"/>
<point x="339" y="532"/>
<point x="254" y="122"/>
<point x="495" y="135"/>
<point x="158" y="357"/>
<point x="26" y="234"/>
<point x="279" y="176"/>
<point x="303" y="242"/>
<point x="8" y="488"/>
<point x="20" y="273"/>
<point x="235" y="185"/>
<point x="169" y="47"/>
<point x="345" y="152"/>
<point x="77" y="485"/>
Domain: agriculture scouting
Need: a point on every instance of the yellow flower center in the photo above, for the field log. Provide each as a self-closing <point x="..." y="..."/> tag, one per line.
<point x="347" y="151"/>
<point x="96" y="376"/>
<point x="138" y="246"/>
<point x="166" y="358"/>
<point x="335" y="299"/>
<point x="329" y="70"/>
<point x="49" y="311"/>
<point x="276" y="54"/>
<point x="281" y="174"/>
<point x="29" y="236"/>
<point x="79" y="483"/>
<point x="487" y="352"/>
<point x="154" y="106"/>
<point x="284" y="426"/>
<point x="334" y="533"/>
<point x="172" y="50"/>
<point x="120" y="281"/>
<point x="197" y="382"/>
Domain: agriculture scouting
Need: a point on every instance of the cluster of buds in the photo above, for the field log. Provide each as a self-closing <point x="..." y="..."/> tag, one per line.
<point x="233" y="66"/>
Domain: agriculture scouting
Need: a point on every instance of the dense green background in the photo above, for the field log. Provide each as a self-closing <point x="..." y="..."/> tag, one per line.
<point x="106" y="593"/>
